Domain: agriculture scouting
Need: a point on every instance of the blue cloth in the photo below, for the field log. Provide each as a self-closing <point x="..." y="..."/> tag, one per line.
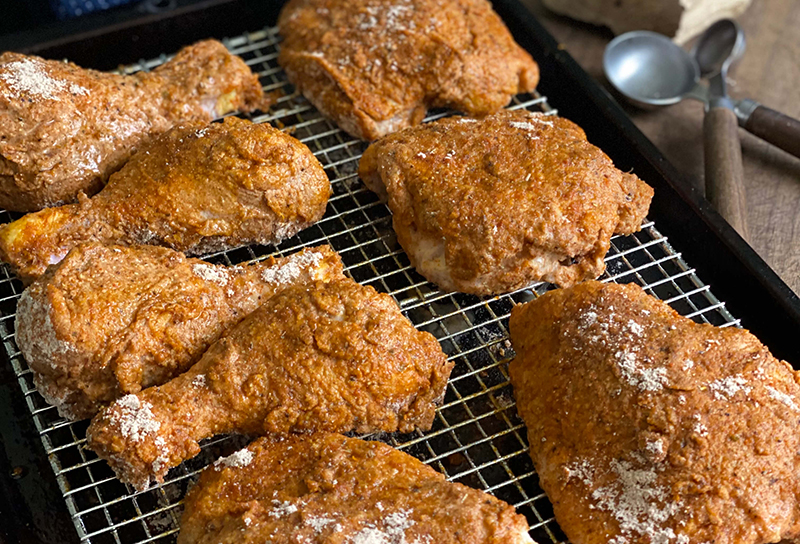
<point x="68" y="9"/>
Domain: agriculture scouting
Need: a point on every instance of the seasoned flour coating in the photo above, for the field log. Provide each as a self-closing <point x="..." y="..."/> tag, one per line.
<point x="113" y="320"/>
<point x="64" y="129"/>
<point x="646" y="427"/>
<point x="492" y="205"/>
<point x="325" y="488"/>
<point x="333" y="357"/>
<point x="376" y="66"/>
<point x="197" y="189"/>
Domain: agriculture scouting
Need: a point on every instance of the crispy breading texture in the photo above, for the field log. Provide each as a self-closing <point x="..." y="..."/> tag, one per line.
<point x="65" y="129"/>
<point x="645" y="426"/>
<point x="113" y="320"/>
<point x="328" y="488"/>
<point x="197" y="188"/>
<point x="376" y="66"/>
<point x="492" y="205"/>
<point x="333" y="357"/>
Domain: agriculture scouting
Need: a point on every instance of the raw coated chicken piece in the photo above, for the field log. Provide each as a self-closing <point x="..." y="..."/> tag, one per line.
<point x="376" y="66"/>
<point x="325" y="488"/>
<point x="647" y="427"/>
<point x="113" y="320"/>
<point x="332" y="357"/>
<point x="197" y="189"/>
<point x="488" y="206"/>
<point x="65" y="129"/>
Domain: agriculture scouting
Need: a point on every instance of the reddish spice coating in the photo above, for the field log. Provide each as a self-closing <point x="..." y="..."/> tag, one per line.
<point x="65" y="129"/>
<point x="113" y="320"/>
<point x="376" y="66"/>
<point x="645" y="426"/>
<point x="333" y="357"/>
<point x="197" y="188"/>
<point x="327" y="488"/>
<point x="491" y="205"/>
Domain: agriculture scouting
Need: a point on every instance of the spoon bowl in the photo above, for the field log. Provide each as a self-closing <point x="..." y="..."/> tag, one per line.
<point x="719" y="47"/>
<point x="649" y="69"/>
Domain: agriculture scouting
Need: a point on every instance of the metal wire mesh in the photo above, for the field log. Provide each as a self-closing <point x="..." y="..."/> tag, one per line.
<point x="477" y="438"/>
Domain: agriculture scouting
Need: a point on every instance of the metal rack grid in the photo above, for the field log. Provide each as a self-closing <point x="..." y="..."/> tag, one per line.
<point x="477" y="438"/>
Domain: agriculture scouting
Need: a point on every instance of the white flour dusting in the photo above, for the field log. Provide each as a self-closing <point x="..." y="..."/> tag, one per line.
<point x="282" y="509"/>
<point x="633" y="366"/>
<point x="698" y="427"/>
<point x="639" y="505"/>
<point x="656" y="447"/>
<point x="638" y="376"/>
<point x="726" y="388"/>
<point x="39" y="335"/>
<point x="55" y="396"/>
<point x="238" y="459"/>
<point x="29" y="76"/>
<point x="292" y="268"/>
<point x="635" y="327"/>
<point x="318" y="523"/>
<point x="580" y="470"/>
<point x="209" y="272"/>
<point x="523" y="126"/>
<point x="393" y="532"/>
<point x="135" y="418"/>
<point x="588" y="319"/>
<point x="780" y="396"/>
<point x="529" y="124"/>
<point x="284" y="230"/>
<point x="393" y="18"/>
<point x="199" y="380"/>
<point x="163" y="457"/>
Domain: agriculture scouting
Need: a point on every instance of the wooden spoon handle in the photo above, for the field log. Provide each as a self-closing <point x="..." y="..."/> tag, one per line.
<point x="776" y="128"/>
<point x="724" y="173"/>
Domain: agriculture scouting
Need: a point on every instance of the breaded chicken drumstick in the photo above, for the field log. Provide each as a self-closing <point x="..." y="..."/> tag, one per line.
<point x="65" y="129"/>
<point x="197" y="188"/>
<point x="333" y="357"/>
<point x="113" y="320"/>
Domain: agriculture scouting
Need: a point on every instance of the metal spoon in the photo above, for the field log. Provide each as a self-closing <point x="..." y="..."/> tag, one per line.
<point x="649" y="69"/>
<point x="719" y="48"/>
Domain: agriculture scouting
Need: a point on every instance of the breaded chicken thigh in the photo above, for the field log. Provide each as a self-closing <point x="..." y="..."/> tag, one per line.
<point x="647" y="427"/>
<point x="376" y="66"/>
<point x="333" y="357"/>
<point x="113" y="320"/>
<point x="322" y="488"/>
<point x="492" y="205"/>
<point x="197" y="188"/>
<point x="65" y="129"/>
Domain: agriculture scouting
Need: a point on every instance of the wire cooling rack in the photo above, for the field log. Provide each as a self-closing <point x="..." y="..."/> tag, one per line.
<point x="477" y="438"/>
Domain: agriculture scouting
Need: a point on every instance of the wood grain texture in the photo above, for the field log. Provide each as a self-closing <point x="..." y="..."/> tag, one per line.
<point x="723" y="167"/>
<point x="768" y="73"/>
<point x="776" y="128"/>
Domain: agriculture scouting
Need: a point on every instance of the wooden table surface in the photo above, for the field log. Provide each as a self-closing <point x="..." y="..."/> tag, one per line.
<point x="769" y="73"/>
